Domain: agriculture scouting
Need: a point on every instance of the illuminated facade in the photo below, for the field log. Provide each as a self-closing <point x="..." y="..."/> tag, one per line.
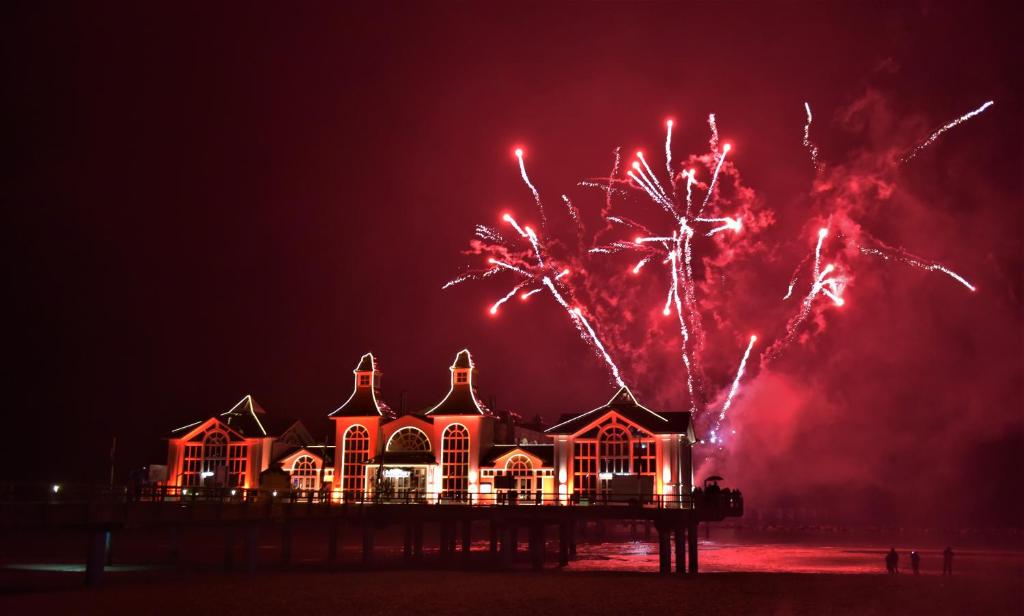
<point x="623" y="448"/>
<point x="457" y="451"/>
<point x="233" y="449"/>
<point x="448" y="453"/>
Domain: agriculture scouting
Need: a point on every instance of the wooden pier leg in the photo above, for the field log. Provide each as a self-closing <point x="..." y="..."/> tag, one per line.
<point x="680" y="549"/>
<point x="96" y="557"/>
<point x="286" y="543"/>
<point x="494" y="537"/>
<point x="508" y="541"/>
<point x="537" y="546"/>
<point x="572" y="540"/>
<point x="251" y="547"/>
<point x="664" y="550"/>
<point x="367" y="543"/>
<point x="443" y="542"/>
<point x="467" y="538"/>
<point x="174" y="543"/>
<point x="332" y="541"/>
<point x="691" y="537"/>
<point x="108" y="540"/>
<point x="417" y="541"/>
<point x="407" y="544"/>
<point x="229" y="548"/>
<point x="563" y="544"/>
<point x="513" y="539"/>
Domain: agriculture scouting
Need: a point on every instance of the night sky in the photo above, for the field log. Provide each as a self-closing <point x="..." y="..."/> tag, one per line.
<point x="209" y="201"/>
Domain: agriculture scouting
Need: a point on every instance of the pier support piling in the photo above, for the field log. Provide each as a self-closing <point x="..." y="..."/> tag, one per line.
<point x="664" y="550"/>
<point x="251" y="547"/>
<point x="286" y="543"/>
<point x="96" y="557"/>
<point x="229" y="548"/>
<point x="691" y="538"/>
<point x="563" y="544"/>
<point x="467" y="538"/>
<point x="537" y="546"/>
<point x="332" y="541"/>
<point x="367" y="543"/>
<point x="680" y="549"/>
<point x="417" y="541"/>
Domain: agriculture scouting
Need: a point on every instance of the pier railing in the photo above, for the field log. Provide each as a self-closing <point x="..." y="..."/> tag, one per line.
<point x="730" y="502"/>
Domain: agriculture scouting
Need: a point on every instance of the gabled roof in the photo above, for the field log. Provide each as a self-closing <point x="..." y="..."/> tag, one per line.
<point x="292" y="451"/>
<point x="546" y="452"/>
<point x="247" y="417"/>
<point x="625" y="403"/>
<point x="363" y="401"/>
<point x="461" y="398"/>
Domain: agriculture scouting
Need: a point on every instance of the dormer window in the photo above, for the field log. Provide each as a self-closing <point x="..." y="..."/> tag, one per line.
<point x="461" y="377"/>
<point x="364" y="380"/>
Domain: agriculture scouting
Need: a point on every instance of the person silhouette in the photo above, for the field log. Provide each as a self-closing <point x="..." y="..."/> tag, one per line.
<point x="892" y="560"/>
<point x="947" y="561"/>
<point x="915" y="562"/>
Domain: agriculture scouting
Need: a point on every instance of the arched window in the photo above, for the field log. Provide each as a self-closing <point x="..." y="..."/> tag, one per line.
<point x="215" y="456"/>
<point x="455" y="461"/>
<point x="304" y="473"/>
<point x="409" y="439"/>
<point x="355" y="453"/>
<point x="519" y="465"/>
<point x="613" y="453"/>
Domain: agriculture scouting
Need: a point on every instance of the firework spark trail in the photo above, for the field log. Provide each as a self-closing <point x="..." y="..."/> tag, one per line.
<point x="931" y="139"/>
<point x="714" y="178"/>
<point x="489" y="235"/>
<point x="683" y="331"/>
<point x="730" y="223"/>
<point x="515" y="289"/>
<point x="529" y="184"/>
<point x="508" y="267"/>
<point x="690" y="181"/>
<point x="470" y="276"/>
<point x="713" y="143"/>
<point x="811" y="148"/>
<point x="640" y="264"/>
<point x="668" y="150"/>
<point x="536" y="246"/>
<point x="904" y="257"/>
<point x="616" y="166"/>
<point x="732" y="391"/>
<point x="793" y="278"/>
<point x="649" y="187"/>
<point x="581" y="321"/>
<point x="541" y="271"/>
<point x="573" y="212"/>
<point x="653" y="179"/>
<point x="822" y="233"/>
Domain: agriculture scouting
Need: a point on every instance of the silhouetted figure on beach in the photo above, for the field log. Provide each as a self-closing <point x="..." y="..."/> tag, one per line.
<point x="892" y="562"/>
<point x="947" y="561"/>
<point x="915" y="562"/>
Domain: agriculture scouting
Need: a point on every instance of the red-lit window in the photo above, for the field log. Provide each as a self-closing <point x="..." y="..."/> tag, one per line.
<point x="192" y="465"/>
<point x="526" y="482"/>
<point x="304" y="473"/>
<point x="461" y="377"/>
<point x="364" y="380"/>
<point x="614" y="454"/>
<point x="584" y="468"/>
<point x="409" y="439"/>
<point x="238" y="462"/>
<point x="455" y="461"/>
<point x="355" y="453"/>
